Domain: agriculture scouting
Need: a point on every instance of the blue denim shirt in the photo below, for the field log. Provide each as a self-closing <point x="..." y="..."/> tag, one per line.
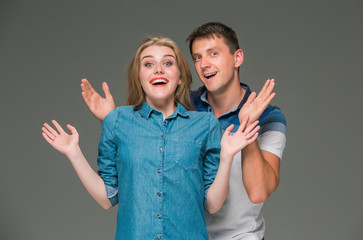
<point x="159" y="171"/>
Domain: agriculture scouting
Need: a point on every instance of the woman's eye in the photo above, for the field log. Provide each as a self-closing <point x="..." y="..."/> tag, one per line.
<point x="168" y="63"/>
<point x="147" y="64"/>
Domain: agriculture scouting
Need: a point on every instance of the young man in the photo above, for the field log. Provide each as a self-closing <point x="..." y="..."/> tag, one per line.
<point x="255" y="172"/>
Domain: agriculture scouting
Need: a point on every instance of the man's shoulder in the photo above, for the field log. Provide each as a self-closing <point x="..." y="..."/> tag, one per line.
<point x="272" y="114"/>
<point x="195" y="98"/>
<point x="272" y="120"/>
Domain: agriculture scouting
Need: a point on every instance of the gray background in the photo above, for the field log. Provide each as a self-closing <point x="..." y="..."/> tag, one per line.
<point x="312" y="48"/>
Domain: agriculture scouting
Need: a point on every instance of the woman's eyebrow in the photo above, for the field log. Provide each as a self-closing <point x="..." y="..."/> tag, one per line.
<point x="151" y="56"/>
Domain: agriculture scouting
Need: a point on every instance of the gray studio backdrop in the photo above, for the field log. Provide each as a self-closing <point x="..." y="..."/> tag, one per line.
<point x="312" y="48"/>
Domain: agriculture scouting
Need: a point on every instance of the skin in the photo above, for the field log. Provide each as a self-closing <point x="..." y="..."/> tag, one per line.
<point x="156" y="63"/>
<point x="260" y="169"/>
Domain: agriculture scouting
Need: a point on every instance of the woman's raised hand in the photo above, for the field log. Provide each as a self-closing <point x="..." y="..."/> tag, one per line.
<point x="232" y="144"/>
<point x="59" y="139"/>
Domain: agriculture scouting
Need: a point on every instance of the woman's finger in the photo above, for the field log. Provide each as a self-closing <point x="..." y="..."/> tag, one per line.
<point x="229" y="129"/>
<point x="49" y="134"/>
<point x="253" y="132"/>
<point x="251" y="127"/>
<point x="59" y="128"/>
<point x="72" y="129"/>
<point x="50" y="141"/>
<point x="50" y="129"/>
<point x="243" y="124"/>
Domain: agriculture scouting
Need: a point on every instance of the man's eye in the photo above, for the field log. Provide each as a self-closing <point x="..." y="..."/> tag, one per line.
<point x="214" y="53"/>
<point x="196" y="58"/>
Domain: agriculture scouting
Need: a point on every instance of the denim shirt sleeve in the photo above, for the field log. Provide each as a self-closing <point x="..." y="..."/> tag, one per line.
<point x="211" y="161"/>
<point x="107" y="151"/>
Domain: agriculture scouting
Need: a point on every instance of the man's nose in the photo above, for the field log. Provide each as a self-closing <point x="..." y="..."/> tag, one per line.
<point x="204" y="63"/>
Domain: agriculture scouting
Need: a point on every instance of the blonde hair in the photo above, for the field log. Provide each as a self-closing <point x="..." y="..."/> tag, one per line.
<point x="136" y="93"/>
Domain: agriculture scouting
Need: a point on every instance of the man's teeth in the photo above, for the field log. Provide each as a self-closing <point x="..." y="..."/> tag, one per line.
<point x="209" y="75"/>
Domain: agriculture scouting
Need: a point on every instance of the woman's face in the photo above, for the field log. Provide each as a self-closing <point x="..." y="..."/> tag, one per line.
<point x="159" y="74"/>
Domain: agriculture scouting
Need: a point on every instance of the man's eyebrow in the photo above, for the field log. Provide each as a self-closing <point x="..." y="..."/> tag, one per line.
<point x="151" y="56"/>
<point x="213" y="49"/>
<point x="208" y="50"/>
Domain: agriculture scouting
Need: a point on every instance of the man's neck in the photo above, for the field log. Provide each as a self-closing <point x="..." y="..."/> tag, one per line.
<point x="227" y="100"/>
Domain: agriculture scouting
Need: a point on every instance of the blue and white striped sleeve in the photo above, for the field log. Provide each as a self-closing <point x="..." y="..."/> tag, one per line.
<point x="272" y="135"/>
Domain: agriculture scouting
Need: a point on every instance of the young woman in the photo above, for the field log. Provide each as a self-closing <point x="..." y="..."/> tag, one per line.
<point x="162" y="163"/>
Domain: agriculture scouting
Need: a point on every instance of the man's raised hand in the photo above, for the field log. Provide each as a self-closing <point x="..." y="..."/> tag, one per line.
<point x="255" y="105"/>
<point x="98" y="105"/>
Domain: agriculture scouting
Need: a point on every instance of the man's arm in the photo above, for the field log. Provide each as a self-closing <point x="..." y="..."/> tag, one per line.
<point x="98" y="105"/>
<point x="260" y="172"/>
<point x="260" y="169"/>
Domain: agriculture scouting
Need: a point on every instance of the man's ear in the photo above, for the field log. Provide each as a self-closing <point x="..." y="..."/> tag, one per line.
<point x="238" y="58"/>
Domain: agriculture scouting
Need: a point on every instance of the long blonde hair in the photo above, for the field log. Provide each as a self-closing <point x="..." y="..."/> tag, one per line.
<point x="136" y="93"/>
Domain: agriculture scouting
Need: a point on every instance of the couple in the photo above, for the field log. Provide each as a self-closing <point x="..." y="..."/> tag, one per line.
<point x="159" y="160"/>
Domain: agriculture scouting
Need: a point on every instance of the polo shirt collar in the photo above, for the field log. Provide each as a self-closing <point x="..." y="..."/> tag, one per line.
<point x="245" y="87"/>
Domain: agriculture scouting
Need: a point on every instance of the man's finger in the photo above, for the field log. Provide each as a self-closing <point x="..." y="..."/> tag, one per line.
<point x="251" y="97"/>
<point x="106" y="90"/>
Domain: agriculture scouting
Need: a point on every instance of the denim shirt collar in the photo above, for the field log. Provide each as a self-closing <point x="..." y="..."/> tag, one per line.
<point x="245" y="87"/>
<point x="146" y="110"/>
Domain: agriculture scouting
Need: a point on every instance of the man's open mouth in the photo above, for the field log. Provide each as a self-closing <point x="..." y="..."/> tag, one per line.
<point x="209" y="75"/>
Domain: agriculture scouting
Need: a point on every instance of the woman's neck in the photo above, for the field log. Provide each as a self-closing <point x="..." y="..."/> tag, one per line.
<point x="167" y="108"/>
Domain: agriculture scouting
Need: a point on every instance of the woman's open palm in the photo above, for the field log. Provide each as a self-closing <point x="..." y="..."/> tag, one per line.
<point x="60" y="140"/>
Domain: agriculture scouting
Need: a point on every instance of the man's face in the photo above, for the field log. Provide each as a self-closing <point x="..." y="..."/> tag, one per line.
<point x="216" y="66"/>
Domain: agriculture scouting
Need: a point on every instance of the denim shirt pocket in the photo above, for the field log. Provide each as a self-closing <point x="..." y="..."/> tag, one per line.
<point x="186" y="153"/>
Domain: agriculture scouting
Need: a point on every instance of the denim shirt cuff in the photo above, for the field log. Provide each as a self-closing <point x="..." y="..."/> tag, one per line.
<point x="112" y="194"/>
<point x="205" y="199"/>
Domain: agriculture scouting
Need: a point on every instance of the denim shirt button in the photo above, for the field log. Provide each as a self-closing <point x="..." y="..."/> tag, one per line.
<point x="158" y="216"/>
<point x="161" y="135"/>
<point x="159" y="171"/>
<point x="159" y="237"/>
<point x="160" y="149"/>
<point x="166" y="122"/>
<point x="159" y="194"/>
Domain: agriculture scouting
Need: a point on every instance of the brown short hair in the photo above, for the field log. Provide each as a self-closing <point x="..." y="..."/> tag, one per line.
<point x="136" y="93"/>
<point x="208" y="30"/>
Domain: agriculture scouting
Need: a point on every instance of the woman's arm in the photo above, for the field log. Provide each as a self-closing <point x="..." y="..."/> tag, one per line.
<point x="68" y="145"/>
<point x="230" y="146"/>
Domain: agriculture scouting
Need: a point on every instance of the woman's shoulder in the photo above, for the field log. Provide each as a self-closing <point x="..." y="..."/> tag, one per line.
<point x="203" y="116"/>
<point x="198" y="114"/>
<point x="119" y="112"/>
